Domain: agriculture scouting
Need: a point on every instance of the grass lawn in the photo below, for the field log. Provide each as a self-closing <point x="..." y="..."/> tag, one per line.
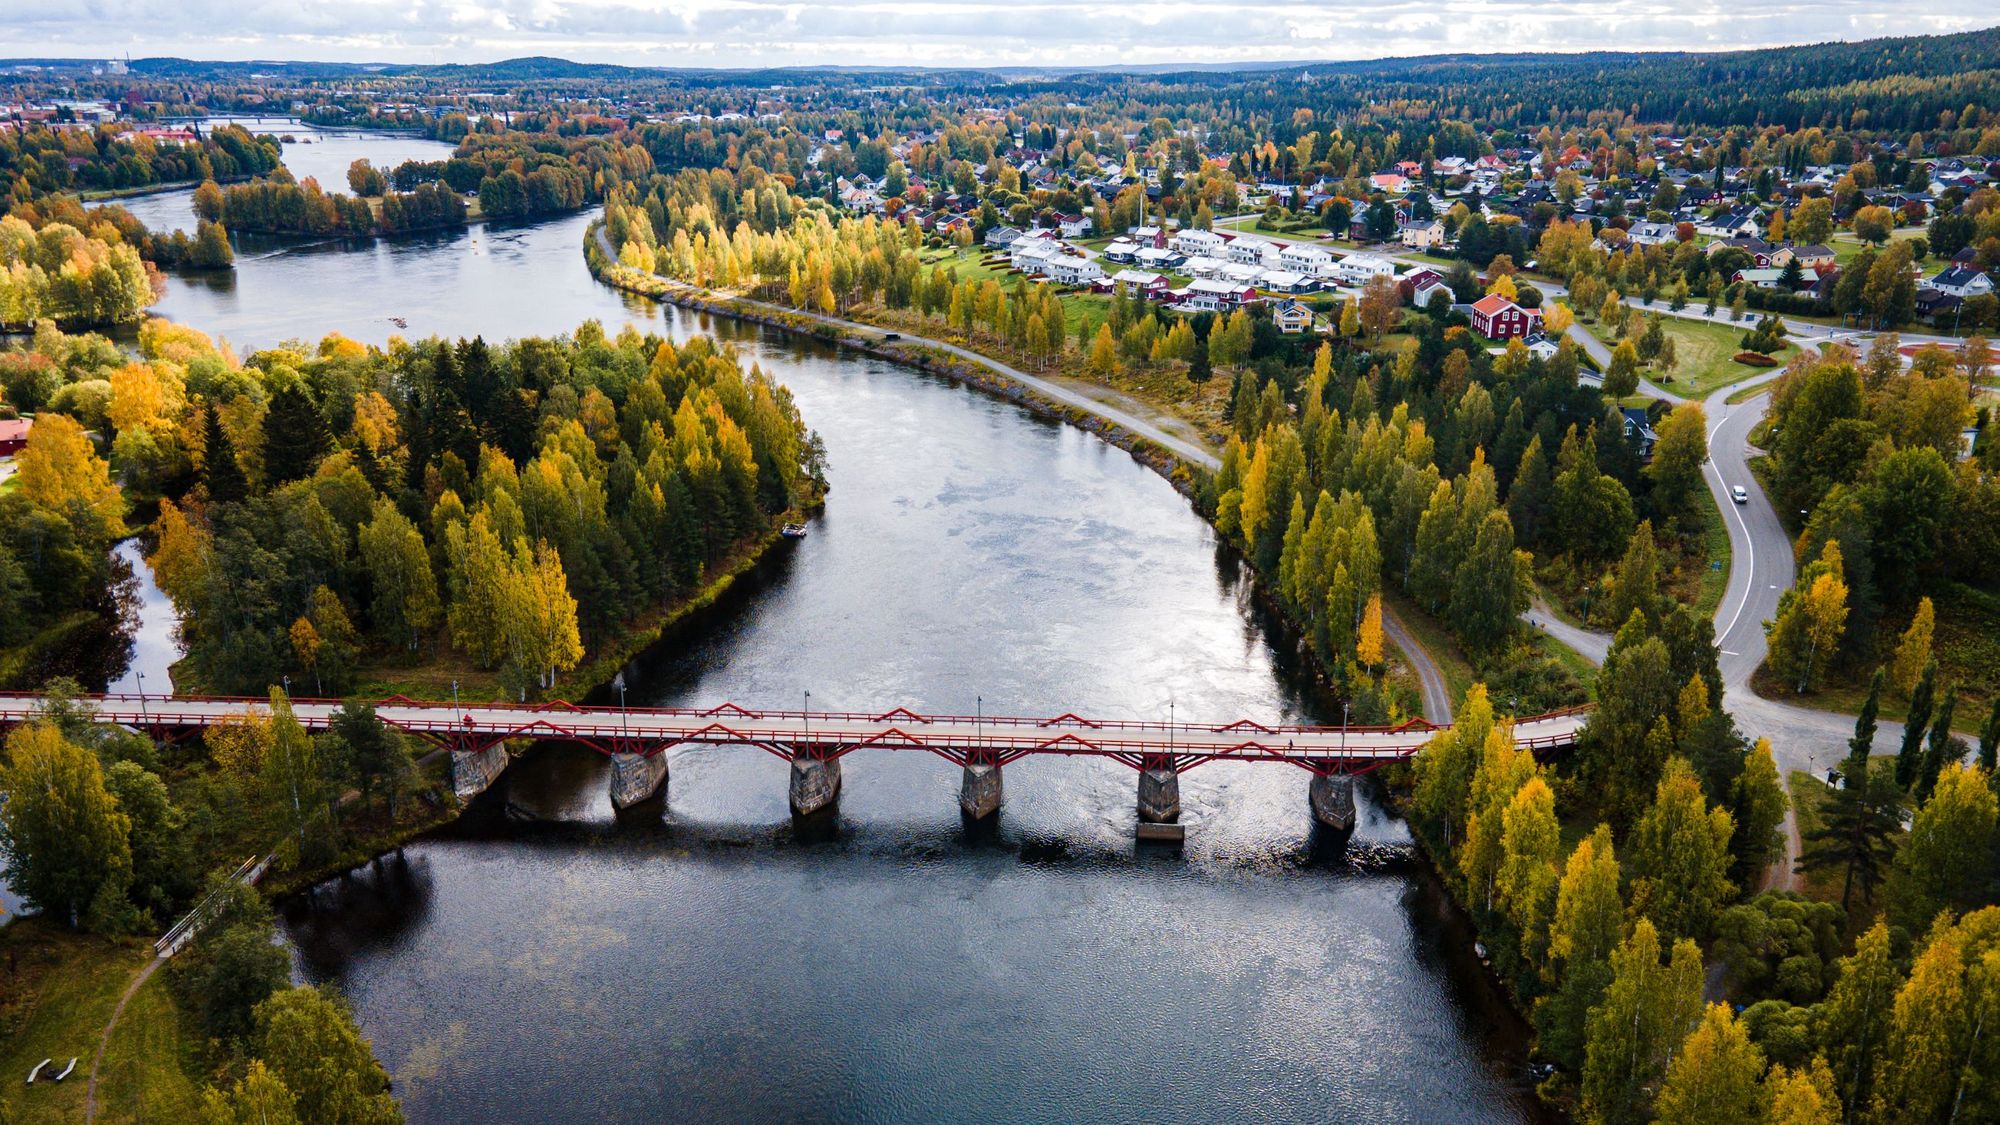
<point x="62" y="987"/>
<point x="1846" y="246"/>
<point x="1704" y="355"/>
<point x="1715" y="579"/>
<point x="1809" y="794"/>
<point x="1809" y="797"/>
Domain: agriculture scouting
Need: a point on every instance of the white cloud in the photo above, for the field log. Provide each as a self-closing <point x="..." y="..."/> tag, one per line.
<point x="931" y="32"/>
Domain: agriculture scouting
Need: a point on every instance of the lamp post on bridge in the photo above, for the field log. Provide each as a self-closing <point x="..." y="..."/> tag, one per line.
<point x="809" y="721"/>
<point x="1344" y="705"/>
<point x="618" y="682"/>
<point x="143" y="715"/>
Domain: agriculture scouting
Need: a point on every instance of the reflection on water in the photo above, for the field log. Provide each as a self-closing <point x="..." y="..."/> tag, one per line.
<point x="548" y="960"/>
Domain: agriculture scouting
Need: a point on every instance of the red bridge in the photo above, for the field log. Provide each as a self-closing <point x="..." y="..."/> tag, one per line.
<point x="815" y="741"/>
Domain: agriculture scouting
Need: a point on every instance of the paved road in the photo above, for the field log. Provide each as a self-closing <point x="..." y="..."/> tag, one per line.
<point x="1437" y="694"/>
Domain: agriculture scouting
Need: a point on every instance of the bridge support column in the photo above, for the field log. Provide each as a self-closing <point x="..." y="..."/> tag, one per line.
<point x="815" y="784"/>
<point x="475" y="771"/>
<point x="1332" y="799"/>
<point x="1160" y="795"/>
<point x="979" y="793"/>
<point x="635" y="777"/>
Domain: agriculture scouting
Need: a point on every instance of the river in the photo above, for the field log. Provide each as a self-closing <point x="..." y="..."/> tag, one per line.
<point x="547" y="960"/>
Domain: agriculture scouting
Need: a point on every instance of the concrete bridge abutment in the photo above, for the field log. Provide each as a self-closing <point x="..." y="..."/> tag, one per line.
<point x="1332" y="798"/>
<point x="636" y="777"/>
<point x="979" y="792"/>
<point x="474" y="771"/>
<point x="1160" y="795"/>
<point x="815" y="784"/>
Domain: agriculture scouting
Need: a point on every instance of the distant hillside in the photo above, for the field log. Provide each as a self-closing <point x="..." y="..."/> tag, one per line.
<point x="1892" y="84"/>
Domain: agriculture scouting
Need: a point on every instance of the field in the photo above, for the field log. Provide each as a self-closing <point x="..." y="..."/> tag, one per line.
<point x="1704" y="355"/>
<point x="62" y="987"/>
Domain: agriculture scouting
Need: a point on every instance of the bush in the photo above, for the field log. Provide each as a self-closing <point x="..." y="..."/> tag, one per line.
<point x="1756" y="359"/>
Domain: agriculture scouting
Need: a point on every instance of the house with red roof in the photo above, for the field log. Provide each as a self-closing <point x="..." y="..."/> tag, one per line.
<point x="1497" y="318"/>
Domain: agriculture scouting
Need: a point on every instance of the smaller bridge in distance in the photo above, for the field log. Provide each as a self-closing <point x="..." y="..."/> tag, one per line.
<point x="814" y="742"/>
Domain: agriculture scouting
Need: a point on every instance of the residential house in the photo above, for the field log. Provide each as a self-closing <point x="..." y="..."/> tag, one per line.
<point x="1355" y="269"/>
<point x="1000" y="238"/>
<point x="1156" y="258"/>
<point x="1652" y="234"/>
<point x="1152" y="286"/>
<point x="1287" y="281"/>
<point x="1293" y="317"/>
<point x="1204" y="295"/>
<point x="14" y="435"/>
<point x="1069" y="269"/>
<point x="1769" y="278"/>
<point x="1733" y="223"/>
<point x="1304" y="258"/>
<point x="1424" y="235"/>
<point x="1253" y="251"/>
<point x="1960" y="282"/>
<point x="1424" y="292"/>
<point x="1808" y="257"/>
<point x="1194" y="243"/>
<point x="1073" y="226"/>
<point x="1639" y="431"/>
<point x="1120" y="250"/>
<point x="1497" y="318"/>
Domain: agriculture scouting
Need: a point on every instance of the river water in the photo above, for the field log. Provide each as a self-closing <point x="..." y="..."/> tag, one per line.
<point x="547" y="960"/>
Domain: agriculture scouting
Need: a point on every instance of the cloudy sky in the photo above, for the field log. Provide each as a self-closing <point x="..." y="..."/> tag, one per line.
<point x="935" y="32"/>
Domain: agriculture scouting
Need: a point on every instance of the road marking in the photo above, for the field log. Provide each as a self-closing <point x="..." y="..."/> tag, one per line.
<point x="1726" y="652"/>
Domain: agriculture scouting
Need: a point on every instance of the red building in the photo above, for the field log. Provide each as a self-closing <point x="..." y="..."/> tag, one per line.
<point x="13" y="435"/>
<point x="1497" y="318"/>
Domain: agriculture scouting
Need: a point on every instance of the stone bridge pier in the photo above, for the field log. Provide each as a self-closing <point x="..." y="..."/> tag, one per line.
<point x="1160" y="793"/>
<point x="815" y="784"/>
<point x="475" y="771"/>
<point x="1332" y="798"/>
<point x="636" y="777"/>
<point x="979" y="792"/>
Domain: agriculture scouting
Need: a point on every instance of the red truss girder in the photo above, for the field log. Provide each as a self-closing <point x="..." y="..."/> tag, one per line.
<point x="820" y="735"/>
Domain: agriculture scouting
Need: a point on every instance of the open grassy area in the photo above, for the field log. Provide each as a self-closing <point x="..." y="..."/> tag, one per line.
<point x="1704" y="355"/>
<point x="1809" y="795"/>
<point x="1715" y="532"/>
<point x="1846" y="246"/>
<point x="61" y="990"/>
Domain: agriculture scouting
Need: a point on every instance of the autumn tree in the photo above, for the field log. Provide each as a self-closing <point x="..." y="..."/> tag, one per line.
<point x="65" y="839"/>
<point x="1913" y="652"/>
<point x="1948" y="861"/>
<point x="60" y="472"/>
<point x="1853" y="1022"/>
<point x="1632" y="1036"/>
<point x="1680" y="856"/>
<point x="1714" y="1076"/>
<point x="309" y="1042"/>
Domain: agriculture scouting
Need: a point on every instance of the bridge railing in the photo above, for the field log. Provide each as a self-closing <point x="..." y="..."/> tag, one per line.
<point x="142" y="708"/>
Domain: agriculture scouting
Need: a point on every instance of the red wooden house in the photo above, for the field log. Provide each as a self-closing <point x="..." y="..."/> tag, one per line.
<point x="1497" y="318"/>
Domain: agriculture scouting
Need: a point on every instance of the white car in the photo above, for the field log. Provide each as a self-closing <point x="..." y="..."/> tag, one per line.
<point x="1739" y="494"/>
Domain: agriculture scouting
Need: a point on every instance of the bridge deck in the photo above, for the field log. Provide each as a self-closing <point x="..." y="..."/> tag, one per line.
<point x="990" y="739"/>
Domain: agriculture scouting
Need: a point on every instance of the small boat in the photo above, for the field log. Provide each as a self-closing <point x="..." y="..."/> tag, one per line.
<point x="793" y="531"/>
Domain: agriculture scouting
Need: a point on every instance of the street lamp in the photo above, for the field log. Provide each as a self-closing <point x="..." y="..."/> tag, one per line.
<point x="1344" y="705"/>
<point x="142" y="698"/>
<point x="618" y="682"/>
<point x="288" y="686"/>
<point x="809" y="719"/>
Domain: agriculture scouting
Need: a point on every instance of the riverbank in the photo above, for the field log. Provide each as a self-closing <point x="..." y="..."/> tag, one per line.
<point x="1175" y="459"/>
